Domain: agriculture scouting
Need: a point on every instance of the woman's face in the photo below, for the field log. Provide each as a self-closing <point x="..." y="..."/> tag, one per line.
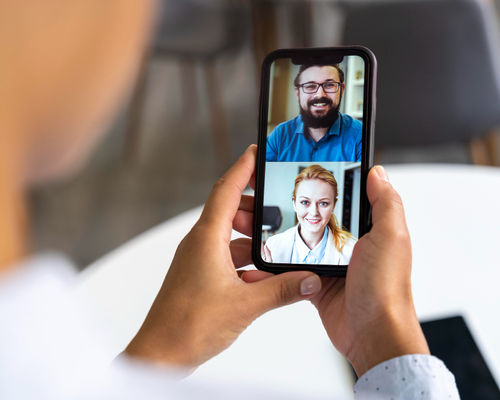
<point x="314" y="204"/>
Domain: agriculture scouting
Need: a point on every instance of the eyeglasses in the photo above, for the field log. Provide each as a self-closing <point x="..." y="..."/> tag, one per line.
<point x="328" y="87"/>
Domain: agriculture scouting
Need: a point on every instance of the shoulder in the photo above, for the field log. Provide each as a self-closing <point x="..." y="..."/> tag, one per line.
<point x="287" y="126"/>
<point x="351" y="123"/>
<point x="281" y="245"/>
<point x="279" y="238"/>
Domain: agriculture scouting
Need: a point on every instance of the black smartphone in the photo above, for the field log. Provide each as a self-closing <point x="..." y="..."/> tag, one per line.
<point x="450" y="340"/>
<point x="315" y="148"/>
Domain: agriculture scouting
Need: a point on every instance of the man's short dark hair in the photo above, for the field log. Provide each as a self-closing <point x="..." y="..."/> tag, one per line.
<point x="303" y="67"/>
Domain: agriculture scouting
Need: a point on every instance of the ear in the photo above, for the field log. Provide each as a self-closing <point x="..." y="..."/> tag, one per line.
<point x="294" y="207"/>
<point x="297" y="92"/>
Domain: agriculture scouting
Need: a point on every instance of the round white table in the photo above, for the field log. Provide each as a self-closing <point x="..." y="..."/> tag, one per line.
<point x="454" y="220"/>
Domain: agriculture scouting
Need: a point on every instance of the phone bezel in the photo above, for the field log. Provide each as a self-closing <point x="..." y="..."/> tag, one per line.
<point x="369" y="102"/>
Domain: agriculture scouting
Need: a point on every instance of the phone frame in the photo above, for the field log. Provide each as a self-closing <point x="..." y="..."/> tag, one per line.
<point x="369" y="102"/>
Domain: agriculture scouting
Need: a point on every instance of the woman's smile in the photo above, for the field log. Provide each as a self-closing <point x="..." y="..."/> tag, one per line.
<point x="314" y="203"/>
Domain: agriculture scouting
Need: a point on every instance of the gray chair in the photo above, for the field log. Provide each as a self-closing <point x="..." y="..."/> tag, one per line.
<point x="194" y="32"/>
<point x="438" y="70"/>
<point x="271" y="220"/>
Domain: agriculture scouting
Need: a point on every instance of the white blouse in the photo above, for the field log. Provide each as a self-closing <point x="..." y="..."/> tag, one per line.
<point x="281" y="247"/>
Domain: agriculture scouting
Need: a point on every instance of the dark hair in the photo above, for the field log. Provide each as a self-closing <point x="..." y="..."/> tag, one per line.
<point x="306" y="66"/>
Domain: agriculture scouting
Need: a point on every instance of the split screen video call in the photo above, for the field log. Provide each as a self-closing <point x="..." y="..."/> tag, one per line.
<point x="313" y="161"/>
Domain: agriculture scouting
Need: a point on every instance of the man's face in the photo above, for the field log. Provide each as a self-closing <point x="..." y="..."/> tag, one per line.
<point x="320" y="109"/>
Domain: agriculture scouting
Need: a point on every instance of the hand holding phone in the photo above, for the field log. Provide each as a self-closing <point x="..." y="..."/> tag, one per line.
<point x="204" y="302"/>
<point x="370" y="316"/>
<point x="203" y="306"/>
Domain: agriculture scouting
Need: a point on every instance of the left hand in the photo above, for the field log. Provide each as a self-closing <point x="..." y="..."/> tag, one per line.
<point x="204" y="303"/>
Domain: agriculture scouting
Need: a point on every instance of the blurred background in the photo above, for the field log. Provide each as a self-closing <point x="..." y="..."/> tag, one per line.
<point x="194" y="107"/>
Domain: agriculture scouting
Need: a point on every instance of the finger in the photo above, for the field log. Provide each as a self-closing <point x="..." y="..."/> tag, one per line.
<point x="255" y="275"/>
<point x="330" y="288"/>
<point x="241" y="252"/>
<point x="387" y="207"/>
<point x="282" y="289"/>
<point x="243" y="220"/>
<point x="252" y="181"/>
<point x="241" y="272"/>
<point x="246" y="203"/>
<point x="224" y="199"/>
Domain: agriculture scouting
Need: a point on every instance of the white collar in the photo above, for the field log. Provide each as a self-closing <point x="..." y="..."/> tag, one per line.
<point x="301" y="250"/>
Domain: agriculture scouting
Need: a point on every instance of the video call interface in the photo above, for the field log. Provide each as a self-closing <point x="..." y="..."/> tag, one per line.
<point x="313" y="162"/>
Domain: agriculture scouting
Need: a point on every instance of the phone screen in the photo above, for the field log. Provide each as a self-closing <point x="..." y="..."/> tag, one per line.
<point x="314" y="119"/>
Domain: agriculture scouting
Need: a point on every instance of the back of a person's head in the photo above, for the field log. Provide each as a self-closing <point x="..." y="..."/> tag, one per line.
<point x="64" y="68"/>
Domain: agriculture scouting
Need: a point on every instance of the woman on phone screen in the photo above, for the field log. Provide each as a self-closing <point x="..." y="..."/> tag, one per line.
<point x="317" y="238"/>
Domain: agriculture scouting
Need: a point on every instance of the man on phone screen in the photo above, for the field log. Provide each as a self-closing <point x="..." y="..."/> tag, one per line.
<point x="320" y="132"/>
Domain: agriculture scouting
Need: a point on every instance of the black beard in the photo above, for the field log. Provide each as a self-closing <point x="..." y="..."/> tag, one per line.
<point x="325" y="121"/>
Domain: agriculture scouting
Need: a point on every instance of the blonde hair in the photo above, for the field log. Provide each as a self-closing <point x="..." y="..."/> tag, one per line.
<point x="318" y="172"/>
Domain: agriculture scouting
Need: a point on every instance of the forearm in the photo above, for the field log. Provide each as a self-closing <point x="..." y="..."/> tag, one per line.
<point x="387" y="337"/>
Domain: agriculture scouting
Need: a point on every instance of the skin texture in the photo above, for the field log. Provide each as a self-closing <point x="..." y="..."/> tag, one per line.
<point x="313" y="206"/>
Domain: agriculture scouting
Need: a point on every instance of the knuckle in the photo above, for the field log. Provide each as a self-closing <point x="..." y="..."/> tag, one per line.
<point x="228" y="182"/>
<point x="199" y="237"/>
<point x="400" y="235"/>
<point x="283" y="293"/>
<point x="396" y="199"/>
<point x="393" y="201"/>
<point x="220" y="182"/>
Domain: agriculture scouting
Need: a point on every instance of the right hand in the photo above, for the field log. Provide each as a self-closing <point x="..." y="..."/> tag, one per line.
<point x="369" y="316"/>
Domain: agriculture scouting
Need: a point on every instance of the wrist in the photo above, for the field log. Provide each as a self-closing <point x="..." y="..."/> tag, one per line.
<point x="160" y="348"/>
<point x="389" y="336"/>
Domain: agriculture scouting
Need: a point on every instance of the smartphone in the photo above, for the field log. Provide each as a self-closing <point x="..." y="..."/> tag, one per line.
<point x="315" y="148"/>
<point x="450" y="340"/>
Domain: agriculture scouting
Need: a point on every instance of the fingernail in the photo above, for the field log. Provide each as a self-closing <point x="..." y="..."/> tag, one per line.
<point x="381" y="173"/>
<point x="310" y="285"/>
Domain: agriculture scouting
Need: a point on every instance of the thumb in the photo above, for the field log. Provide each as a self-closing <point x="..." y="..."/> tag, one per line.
<point x="387" y="207"/>
<point x="287" y="288"/>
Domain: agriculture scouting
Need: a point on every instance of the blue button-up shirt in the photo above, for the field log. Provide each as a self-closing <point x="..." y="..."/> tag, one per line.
<point x="289" y="142"/>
